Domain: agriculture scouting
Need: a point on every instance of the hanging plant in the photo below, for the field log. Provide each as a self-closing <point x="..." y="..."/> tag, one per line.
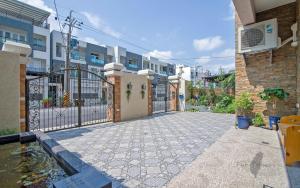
<point x="143" y="87"/>
<point x="128" y="91"/>
<point x="273" y="95"/>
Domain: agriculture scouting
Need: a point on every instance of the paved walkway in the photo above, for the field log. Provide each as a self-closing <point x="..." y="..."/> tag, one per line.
<point x="181" y="150"/>
<point x="147" y="152"/>
<point x="240" y="158"/>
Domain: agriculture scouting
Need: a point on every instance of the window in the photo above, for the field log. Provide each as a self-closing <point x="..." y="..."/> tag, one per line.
<point x="152" y="67"/>
<point x="22" y="38"/>
<point x="39" y="43"/>
<point x="58" y="50"/>
<point x="7" y="35"/>
<point x="133" y="63"/>
<point x="15" y="37"/>
<point x="156" y="69"/>
<point x="1" y="33"/>
<point x="97" y="58"/>
<point x="109" y="59"/>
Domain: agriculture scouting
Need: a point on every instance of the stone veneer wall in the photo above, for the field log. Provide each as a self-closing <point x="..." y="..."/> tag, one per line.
<point x="256" y="72"/>
<point x="150" y="103"/>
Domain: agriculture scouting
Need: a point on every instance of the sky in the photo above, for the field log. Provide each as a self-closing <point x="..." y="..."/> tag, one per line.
<point x="189" y="32"/>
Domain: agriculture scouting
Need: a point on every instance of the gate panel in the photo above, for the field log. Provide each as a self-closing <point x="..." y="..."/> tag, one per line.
<point x="161" y="96"/>
<point x="51" y="107"/>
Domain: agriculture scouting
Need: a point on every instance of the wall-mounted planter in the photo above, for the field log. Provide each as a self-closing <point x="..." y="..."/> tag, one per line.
<point x="143" y="90"/>
<point x="128" y="91"/>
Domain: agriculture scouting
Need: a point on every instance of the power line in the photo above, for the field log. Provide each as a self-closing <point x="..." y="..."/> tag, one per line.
<point x="196" y="58"/>
<point x="91" y="28"/>
<point x="118" y="38"/>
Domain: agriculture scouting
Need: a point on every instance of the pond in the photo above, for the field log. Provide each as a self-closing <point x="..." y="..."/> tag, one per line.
<point x="27" y="166"/>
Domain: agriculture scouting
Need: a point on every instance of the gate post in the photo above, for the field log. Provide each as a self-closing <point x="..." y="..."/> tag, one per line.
<point x="174" y="89"/>
<point x="150" y="75"/>
<point x="79" y="94"/>
<point x="113" y="74"/>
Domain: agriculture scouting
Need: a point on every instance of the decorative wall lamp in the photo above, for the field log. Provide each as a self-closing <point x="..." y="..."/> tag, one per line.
<point x="143" y="90"/>
<point x="128" y="91"/>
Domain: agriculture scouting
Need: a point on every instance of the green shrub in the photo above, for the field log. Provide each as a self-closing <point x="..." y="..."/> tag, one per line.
<point x="203" y="100"/>
<point x="211" y="97"/>
<point x="192" y="102"/>
<point x="220" y="108"/>
<point x="224" y="104"/>
<point x="4" y="132"/>
<point x="258" y="120"/>
<point x="244" y="103"/>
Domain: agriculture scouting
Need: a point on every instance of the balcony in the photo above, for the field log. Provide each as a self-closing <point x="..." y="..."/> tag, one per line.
<point x="95" y="60"/>
<point x="78" y="56"/>
<point x="36" y="69"/>
<point x="3" y="40"/>
<point x="163" y="72"/>
<point x="39" y="47"/>
<point x="134" y="66"/>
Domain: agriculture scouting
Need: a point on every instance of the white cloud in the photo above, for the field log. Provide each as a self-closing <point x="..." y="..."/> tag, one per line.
<point x="54" y="25"/>
<point x="229" y="52"/>
<point x="160" y="54"/>
<point x="98" y="23"/>
<point x="90" y="40"/>
<point x="215" y="61"/>
<point x="207" y="44"/>
<point x="231" y="12"/>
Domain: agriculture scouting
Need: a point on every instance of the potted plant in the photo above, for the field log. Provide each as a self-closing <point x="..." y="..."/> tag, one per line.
<point x="47" y="102"/>
<point x="273" y="95"/>
<point x="244" y="104"/>
<point x="258" y="120"/>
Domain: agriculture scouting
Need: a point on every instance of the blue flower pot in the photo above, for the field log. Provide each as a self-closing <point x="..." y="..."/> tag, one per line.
<point x="243" y="122"/>
<point x="273" y="120"/>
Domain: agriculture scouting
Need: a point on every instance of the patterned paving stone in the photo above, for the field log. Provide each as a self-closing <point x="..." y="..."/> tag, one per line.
<point x="155" y="181"/>
<point x="147" y="152"/>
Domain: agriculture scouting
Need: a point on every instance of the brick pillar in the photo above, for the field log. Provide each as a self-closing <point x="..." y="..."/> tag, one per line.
<point x="298" y="55"/>
<point x="174" y="89"/>
<point x="114" y="114"/>
<point x="149" y="74"/>
<point x="150" y="93"/>
<point x="113" y="74"/>
<point x="22" y="98"/>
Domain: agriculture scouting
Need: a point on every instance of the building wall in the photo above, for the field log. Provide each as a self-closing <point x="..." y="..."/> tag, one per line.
<point x="92" y="48"/>
<point x="39" y="54"/>
<point x="17" y="24"/>
<point x="139" y="59"/>
<point x="10" y="91"/>
<point x="136" y="106"/>
<point x="264" y="70"/>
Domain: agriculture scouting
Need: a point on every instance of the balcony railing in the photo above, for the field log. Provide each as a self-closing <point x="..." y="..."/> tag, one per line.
<point x="39" y="47"/>
<point x="134" y="66"/>
<point x="77" y="56"/>
<point x="97" y="61"/>
<point x="31" y="68"/>
<point x="163" y="72"/>
<point x="3" y="40"/>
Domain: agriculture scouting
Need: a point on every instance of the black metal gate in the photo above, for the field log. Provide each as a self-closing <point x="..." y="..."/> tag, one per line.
<point x="162" y="95"/>
<point x="55" y="103"/>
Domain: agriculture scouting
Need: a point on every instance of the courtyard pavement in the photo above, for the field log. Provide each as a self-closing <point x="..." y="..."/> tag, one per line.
<point x="147" y="152"/>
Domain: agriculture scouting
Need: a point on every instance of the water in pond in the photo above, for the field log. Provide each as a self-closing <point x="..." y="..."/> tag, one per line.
<point x="27" y="166"/>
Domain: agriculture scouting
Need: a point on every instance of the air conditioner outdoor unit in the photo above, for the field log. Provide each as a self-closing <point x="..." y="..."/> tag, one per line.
<point x="258" y="37"/>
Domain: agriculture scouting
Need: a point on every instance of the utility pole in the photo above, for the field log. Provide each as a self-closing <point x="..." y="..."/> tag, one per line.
<point x="71" y="22"/>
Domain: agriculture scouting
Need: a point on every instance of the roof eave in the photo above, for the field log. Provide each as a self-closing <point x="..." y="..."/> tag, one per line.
<point x="245" y="9"/>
